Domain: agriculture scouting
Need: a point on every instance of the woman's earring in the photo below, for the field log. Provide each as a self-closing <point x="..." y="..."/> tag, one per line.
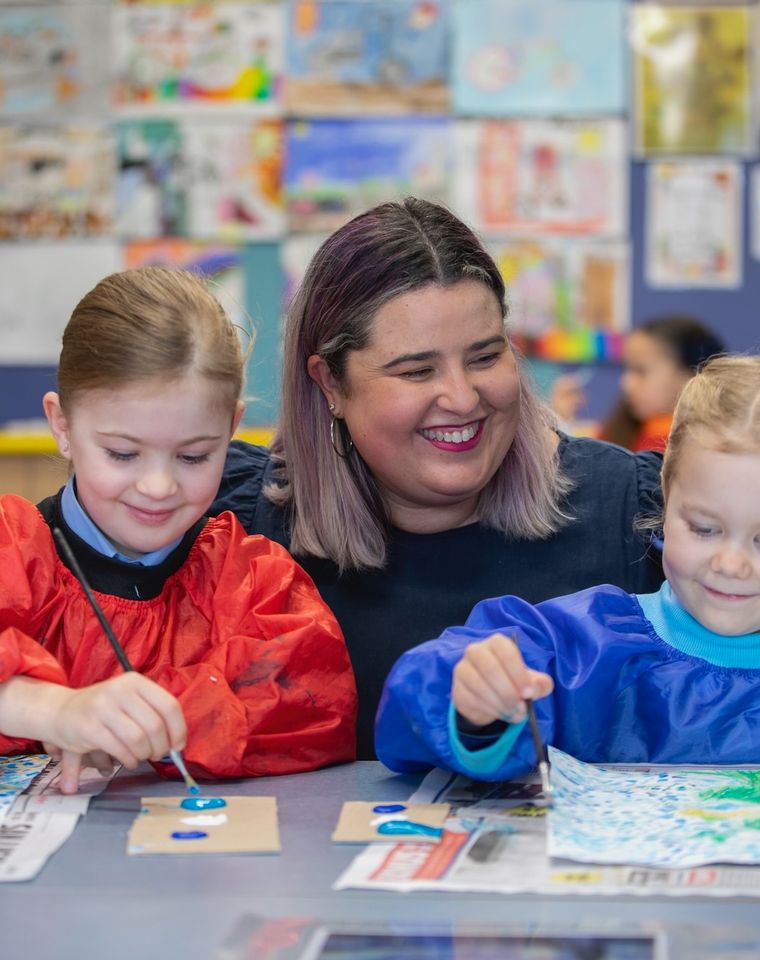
<point x="64" y="447"/>
<point x="347" y="447"/>
<point x="331" y="407"/>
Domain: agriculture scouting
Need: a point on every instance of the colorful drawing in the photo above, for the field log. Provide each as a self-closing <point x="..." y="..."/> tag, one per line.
<point x="16" y="774"/>
<point x="542" y="176"/>
<point x="665" y="817"/>
<point x="692" y="79"/>
<point x="338" y="168"/>
<point x="180" y="56"/>
<point x="354" y="56"/>
<point x="694" y="224"/>
<point x="202" y="178"/>
<point x="55" y="183"/>
<point x="563" y="285"/>
<point x="522" y="58"/>
<point x="296" y="252"/>
<point x="53" y="58"/>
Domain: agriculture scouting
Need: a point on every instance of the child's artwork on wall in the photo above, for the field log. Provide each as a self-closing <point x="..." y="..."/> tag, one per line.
<point x="55" y="183"/>
<point x="522" y="58"/>
<point x="175" y="56"/>
<point x="349" y="57"/>
<point x="296" y="252"/>
<point x="42" y="283"/>
<point x="551" y="177"/>
<point x="566" y="284"/>
<point x="338" y="168"/>
<point x="53" y="58"/>
<point x="694" y="224"/>
<point x="666" y="817"/>
<point x="203" y="178"/>
<point x="692" y="78"/>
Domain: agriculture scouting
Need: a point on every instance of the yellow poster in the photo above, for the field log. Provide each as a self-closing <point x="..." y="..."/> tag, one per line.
<point x="692" y="79"/>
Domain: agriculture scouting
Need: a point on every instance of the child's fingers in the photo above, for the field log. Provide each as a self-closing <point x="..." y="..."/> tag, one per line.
<point x="71" y="765"/>
<point x="485" y="685"/>
<point x="542" y="684"/>
<point x="168" y="713"/>
<point x="101" y="761"/>
<point x="508" y="659"/>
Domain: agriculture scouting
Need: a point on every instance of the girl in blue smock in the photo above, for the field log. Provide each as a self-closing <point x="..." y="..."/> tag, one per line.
<point x="666" y="677"/>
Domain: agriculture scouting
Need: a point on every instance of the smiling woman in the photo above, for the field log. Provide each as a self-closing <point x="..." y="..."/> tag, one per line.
<point x="414" y="471"/>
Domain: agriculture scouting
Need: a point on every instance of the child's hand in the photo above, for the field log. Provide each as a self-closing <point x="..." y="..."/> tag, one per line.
<point x="491" y="682"/>
<point x="129" y="718"/>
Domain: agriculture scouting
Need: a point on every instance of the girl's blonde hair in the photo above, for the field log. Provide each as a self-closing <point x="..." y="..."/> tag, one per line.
<point x="335" y="504"/>
<point x="719" y="407"/>
<point x="147" y="324"/>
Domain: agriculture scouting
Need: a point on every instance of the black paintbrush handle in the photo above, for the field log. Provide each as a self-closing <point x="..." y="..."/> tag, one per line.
<point x="72" y="562"/>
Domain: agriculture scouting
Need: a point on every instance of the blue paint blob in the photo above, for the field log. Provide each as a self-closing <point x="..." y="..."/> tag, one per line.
<point x="203" y="803"/>
<point x="195" y="790"/>
<point x="389" y="808"/>
<point x="399" y="828"/>
<point x="189" y="834"/>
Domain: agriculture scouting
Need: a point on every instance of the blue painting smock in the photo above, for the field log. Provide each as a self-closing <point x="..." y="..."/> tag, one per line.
<point x="636" y="678"/>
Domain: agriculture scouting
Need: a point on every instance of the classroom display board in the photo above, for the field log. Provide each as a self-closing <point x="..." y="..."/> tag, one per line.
<point x="603" y="149"/>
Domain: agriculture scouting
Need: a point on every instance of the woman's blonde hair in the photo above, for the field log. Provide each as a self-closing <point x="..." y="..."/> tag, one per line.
<point x="147" y="324"/>
<point x="719" y="407"/>
<point x="335" y="505"/>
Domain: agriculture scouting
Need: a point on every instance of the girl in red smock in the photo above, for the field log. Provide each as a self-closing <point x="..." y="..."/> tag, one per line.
<point x="237" y="661"/>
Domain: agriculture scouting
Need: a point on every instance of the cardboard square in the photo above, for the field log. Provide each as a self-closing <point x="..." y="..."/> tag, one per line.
<point x="356" y="816"/>
<point x="244" y="825"/>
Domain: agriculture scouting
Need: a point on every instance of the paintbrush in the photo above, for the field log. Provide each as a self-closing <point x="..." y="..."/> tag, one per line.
<point x="541" y="758"/>
<point x="543" y="762"/>
<point x="175" y="755"/>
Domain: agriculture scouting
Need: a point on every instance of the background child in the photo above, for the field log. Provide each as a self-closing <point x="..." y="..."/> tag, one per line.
<point x="238" y="660"/>
<point x="670" y="677"/>
<point x="659" y="359"/>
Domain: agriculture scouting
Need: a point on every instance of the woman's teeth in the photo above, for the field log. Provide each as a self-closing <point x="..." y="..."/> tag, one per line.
<point x="451" y="436"/>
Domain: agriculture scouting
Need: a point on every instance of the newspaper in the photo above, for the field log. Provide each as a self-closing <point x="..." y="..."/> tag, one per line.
<point x="40" y="820"/>
<point x="495" y="842"/>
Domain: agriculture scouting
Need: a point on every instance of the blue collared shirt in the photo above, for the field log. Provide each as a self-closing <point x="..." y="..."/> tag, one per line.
<point x="82" y="525"/>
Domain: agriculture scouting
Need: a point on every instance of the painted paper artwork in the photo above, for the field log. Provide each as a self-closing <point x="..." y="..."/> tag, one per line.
<point x="523" y="58"/>
<point x="664" y="817"/>
<point x="692" y="79"/>
<point x="16" y="774"/>
<point x="694" y="224"/>
<point x="354" y="56"/>
<point x="204" y="178"/>
<point x="42" y="282"/>
<point x="55" y="183"/>
<point x="542" y="176"/>
<point x="53" y="58"/>
<point x="181" y="56"/>
<point x="338" y="168"/>
<point x="563" y="284"/>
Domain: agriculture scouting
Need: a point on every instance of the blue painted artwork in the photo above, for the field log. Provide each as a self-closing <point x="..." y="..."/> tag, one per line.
<point x="660" y="816"/>
<point x="377" y="56"/>
<point x="523" y="58"/>
<point x="16" y="774"/>
<point x="337" y="168"/>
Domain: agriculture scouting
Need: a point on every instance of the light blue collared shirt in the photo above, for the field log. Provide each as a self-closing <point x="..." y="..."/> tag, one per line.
<point x="82" y="525"/>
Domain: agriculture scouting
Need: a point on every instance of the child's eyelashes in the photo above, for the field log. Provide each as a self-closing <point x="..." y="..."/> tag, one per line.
<point x="189" y="459"/>
<point x="701" y="531"/>
<point x="119" y="456"/>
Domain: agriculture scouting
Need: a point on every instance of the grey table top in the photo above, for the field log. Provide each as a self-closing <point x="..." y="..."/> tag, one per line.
<point x="92" y="900"/>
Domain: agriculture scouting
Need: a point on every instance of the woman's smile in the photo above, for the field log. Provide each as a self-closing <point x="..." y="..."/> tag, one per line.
<point x="455" y="438"/>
